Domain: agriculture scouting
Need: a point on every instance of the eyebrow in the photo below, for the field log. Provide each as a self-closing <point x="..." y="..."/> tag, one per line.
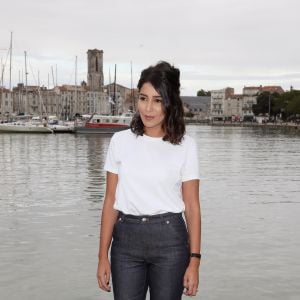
<point x="141" y="94"/>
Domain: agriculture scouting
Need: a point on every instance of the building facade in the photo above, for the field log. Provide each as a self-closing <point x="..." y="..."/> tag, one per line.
<point x="64" y="101"/>
<point x="225" y="105"/>
<point x="6" y="103"/>
<point x="121" y="98"/>
<point x="218" y="105"/>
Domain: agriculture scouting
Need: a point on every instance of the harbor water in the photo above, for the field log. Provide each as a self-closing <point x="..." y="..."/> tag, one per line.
<point x="51" y="193"/>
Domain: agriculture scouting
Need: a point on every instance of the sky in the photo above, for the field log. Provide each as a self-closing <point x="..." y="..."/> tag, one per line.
<point x="214" y="43"/>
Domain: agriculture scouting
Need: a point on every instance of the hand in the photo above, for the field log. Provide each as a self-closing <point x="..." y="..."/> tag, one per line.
<point x="191" y="280"/>
<point x="103" y="274"/>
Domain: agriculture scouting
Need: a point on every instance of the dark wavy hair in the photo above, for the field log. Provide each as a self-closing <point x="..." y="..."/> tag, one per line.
<point x="166" y="81"/>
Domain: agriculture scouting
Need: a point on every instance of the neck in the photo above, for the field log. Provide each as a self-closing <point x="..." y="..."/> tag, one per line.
<point x="154" y="132"/>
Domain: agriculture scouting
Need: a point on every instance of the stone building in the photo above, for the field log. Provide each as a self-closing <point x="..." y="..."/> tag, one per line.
<point x="28" y="100"/>
<point x="225" y="105"/>
<point x="95" y="70"/>
<point x="66" y="101"/>
<point x="250" y="94"/>
<point x="233" y="107"/>
<point x="218" y="105"/>
<point x="249" y="99"/>
<point x="121" y="98"/>
<point x="6" y="103"/>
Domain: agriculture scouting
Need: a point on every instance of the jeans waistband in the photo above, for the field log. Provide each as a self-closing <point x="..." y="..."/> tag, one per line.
<point x="148" y="218"/>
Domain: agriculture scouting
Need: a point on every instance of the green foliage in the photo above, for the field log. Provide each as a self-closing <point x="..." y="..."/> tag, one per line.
<point x="286" y="105"/>
<point x="203" y="93"/>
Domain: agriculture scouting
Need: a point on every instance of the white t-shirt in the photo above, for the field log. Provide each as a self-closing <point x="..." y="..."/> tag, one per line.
<point x="150" y="172"/>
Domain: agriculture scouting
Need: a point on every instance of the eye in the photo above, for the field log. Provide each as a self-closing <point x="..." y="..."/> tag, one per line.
<point x="158" y="100"/>
<point x="142" y="98"/>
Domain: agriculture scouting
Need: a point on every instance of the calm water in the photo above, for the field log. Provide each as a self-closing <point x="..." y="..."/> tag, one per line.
<point x="52" y="188"/>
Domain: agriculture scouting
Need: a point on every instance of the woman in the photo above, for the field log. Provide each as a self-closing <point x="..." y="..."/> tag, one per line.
<point x="152" y="177"/>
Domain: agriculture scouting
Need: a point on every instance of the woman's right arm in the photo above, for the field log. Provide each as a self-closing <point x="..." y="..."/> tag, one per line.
<point x="108" y="219"/>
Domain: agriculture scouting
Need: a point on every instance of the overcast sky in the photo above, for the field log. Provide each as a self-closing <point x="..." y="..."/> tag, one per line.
<point x="215" y="43"/>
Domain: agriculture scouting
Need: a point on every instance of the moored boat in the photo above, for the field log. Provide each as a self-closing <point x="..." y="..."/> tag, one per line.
<point x="60" y="126"/>
<point x="24" y="127"/>
<point x="104" y="124"/>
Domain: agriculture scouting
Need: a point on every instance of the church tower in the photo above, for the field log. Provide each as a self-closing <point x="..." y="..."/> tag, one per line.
<point x="95" y="69"/>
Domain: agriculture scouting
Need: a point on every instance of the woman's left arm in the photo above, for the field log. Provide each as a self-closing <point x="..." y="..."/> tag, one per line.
<point x="190" y="193"/>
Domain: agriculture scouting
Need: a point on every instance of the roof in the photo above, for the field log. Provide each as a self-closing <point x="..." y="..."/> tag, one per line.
<point x="268" y="88"/>
<point x="202" y="102"/>
<point x="117" y="85"/>
<point x="5" y="90"/>
<point x="272" y="89"/>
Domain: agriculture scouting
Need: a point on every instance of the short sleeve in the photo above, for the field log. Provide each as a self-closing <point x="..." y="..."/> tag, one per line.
<point x="190" y="169"/>
<point x="111" y="163"/>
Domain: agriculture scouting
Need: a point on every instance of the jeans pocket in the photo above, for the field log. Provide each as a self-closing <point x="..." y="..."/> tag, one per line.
<point x="176" y="231"/>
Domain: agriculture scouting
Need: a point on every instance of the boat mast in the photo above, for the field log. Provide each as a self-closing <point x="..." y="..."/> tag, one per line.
<point x="109" y="93"/>
<point x="132" y="92"/>
<point x="10" y="60"/>
<point x="41" y="104"/>
<point x="52" y="76"/>
<point x="19" y="92"/>
<point x="26" y="74"/>
<point x="75" y="102"/>
<point x="115" y="98"/>
<point x="56" y="75"/>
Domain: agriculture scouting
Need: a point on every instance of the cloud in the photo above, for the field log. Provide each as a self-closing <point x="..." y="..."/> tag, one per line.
<point x="216" y="40"/>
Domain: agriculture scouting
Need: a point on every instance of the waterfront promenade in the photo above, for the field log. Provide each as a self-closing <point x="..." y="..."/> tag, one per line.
<point x="279" y="125"/>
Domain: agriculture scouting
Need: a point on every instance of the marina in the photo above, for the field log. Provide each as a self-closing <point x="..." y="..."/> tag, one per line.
<point x="52" y="187"/>
<point x="69" y="73"/>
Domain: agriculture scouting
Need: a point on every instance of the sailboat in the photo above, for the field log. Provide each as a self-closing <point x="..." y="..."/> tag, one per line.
<point x="24" y="127"/>
<point x="32" y="126"/>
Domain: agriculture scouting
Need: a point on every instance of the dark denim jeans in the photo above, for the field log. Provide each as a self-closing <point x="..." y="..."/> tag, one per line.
<point x="149" y="252"/>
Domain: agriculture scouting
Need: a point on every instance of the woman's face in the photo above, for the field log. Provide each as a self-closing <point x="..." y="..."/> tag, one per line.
<point x="150" y="107"/>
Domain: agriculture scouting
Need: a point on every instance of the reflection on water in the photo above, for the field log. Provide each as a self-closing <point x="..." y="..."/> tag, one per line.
<point x="52" y="188"/>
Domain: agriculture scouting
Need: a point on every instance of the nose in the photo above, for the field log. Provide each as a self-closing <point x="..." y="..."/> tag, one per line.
<point x="149" y="105"/>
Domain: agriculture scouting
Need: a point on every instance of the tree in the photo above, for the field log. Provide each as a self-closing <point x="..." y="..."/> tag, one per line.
<point x="262" y="104"/>
<point x="288" y="105"/>
<point x="293" y="106"/>
<point x="203" y="93"/>
<point x="266" y="103"/>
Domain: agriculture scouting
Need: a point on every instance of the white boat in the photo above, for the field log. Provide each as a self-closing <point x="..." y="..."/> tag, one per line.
<point x="104" y="124"/>
<point x="60" y="126"/>
<point x="24" y="127"/>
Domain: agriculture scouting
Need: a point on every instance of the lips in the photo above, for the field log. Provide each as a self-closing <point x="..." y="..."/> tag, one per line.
<point x="148" y="118"/>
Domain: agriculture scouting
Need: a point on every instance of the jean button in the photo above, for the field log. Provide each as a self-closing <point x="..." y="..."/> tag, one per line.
<point x="167" y="222"/>
<point x="144" y="219"/>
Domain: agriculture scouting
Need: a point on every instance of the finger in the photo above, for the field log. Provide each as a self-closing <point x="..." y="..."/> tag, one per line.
<point x="98" y="279"/>
<point x="185" y="282"/>
<point x="194" y="290"/>
<point x="185" y="286"/>
<point x="191" y="290"/>
<point x="108" y="279"/>
<point x="100" y="284"/>
<point x="104" y="283"/>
